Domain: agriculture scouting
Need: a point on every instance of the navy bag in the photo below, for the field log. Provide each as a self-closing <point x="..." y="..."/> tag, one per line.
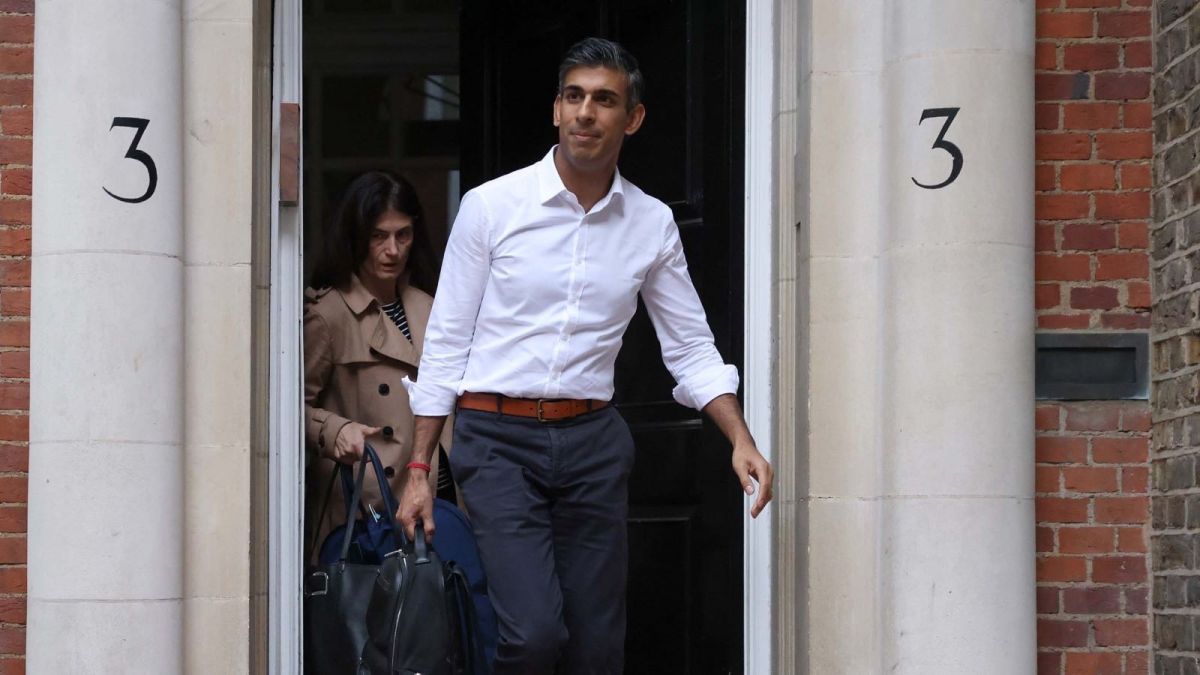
<point x="455" y="543"/>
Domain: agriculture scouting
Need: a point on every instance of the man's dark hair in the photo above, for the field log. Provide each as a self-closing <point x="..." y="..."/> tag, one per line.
<point x="347" y="236"/>
<point x="597" y="52"/>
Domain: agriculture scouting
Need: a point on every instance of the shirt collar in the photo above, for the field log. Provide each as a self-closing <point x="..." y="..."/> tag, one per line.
<point x="550" y="184"/>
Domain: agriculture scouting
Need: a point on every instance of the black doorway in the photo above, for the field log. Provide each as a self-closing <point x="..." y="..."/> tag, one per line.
<point x="451" y="94"/>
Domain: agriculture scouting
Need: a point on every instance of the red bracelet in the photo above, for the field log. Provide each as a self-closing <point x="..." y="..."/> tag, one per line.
<point x="419" y="465"/>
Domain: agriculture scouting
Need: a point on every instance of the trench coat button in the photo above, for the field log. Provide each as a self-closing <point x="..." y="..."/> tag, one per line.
<point x="390" y="471"/>
<point x="384" y="389"/>
<point x="387" y="431"/>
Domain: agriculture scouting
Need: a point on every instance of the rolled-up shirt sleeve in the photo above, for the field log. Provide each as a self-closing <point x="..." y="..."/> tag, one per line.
<point x="451" y="328"/>
<point x="688" y="348"/>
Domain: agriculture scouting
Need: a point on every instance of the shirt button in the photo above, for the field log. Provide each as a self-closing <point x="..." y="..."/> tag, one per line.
<point x="563" y="337"/>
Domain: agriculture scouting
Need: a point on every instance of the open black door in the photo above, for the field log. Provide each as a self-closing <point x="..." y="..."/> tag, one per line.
<point x="685" y="593"/>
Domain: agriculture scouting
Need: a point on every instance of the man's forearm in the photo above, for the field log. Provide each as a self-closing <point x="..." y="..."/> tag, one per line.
<point x="726" y="412"/>
<point x="426" y="431"/>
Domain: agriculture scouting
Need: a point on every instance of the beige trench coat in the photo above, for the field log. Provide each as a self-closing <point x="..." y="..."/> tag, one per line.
<point x="354" y="359"/>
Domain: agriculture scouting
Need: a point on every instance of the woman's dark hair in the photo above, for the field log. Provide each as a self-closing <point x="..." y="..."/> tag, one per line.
<point x="347" y="235"/>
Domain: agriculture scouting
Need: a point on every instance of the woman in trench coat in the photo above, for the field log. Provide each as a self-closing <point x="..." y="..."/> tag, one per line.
<point x="364" y="323"/>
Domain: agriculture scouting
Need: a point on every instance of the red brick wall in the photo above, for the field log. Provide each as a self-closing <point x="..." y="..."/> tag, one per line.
<point x="1091" y="537"/>
<point x="16" y="147"/>
<point x="1094" y="146"/>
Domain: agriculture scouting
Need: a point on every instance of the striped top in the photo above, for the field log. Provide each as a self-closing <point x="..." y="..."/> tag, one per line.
<point x="395" y="311"/>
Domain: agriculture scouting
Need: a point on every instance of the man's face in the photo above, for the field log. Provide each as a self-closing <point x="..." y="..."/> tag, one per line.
<point x="593" y="116"/>
<point x="387" y="252"/>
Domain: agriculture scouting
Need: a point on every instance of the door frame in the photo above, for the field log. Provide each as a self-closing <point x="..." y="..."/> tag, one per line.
<point x="285" y="418"/>
<point x="285" y="421"/>
<point x="760" y="320"/>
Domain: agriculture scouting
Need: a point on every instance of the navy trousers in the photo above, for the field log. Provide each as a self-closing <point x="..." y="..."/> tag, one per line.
<point x="548" y="502"/>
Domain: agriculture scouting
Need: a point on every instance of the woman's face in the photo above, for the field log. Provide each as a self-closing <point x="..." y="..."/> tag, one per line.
<point x="387" y="253"/>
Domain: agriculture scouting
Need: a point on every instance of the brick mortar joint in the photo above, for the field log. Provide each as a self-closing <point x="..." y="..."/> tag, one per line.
<point x="1173" y="453"/>
<point x="1168" y="375"/>
<point x="1159" y="31"/>
<point x="1115" y="434"/>
<point x="1163" y="336"/>
<point x="1158" y="109"/>
<point x="1160" y="150"/>
<point x="1155" y="266"/>
<point x="1173" y="220"/>
<point x="1162" y="69"/>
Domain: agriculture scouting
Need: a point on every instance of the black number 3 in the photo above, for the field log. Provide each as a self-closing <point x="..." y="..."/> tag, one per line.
<point x="139" y="155"/>
<point x="942" y="144"/>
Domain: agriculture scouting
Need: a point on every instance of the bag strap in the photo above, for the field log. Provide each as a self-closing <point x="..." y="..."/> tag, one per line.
<point x="316" y="529"/>
<point x="356" y="501"/>
<point x="390" y="504"/>
<point x="385" y="487"/>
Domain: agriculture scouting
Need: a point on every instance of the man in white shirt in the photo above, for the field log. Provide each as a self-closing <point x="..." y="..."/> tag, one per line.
<point x="540" y="279"/>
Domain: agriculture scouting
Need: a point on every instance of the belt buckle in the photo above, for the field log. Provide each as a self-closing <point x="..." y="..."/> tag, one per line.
<point x="540" y="413"/>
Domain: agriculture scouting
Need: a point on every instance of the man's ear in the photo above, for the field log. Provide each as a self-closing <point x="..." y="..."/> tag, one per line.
<point x="557" y="102"/>
<point x="635" y="119"/>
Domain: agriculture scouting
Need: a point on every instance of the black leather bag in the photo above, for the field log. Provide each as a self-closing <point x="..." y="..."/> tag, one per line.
<point x="337" y="593"/>
<point x="409" y="623"/>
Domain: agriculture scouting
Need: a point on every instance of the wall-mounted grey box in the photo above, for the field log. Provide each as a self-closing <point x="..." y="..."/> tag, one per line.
<point x="1092" y="366"/>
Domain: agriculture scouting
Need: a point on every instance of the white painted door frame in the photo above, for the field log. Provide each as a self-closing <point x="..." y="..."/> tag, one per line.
<point x="759" y="321"/>
<point x="286" y="472"/>
<point x="286" y="427"/>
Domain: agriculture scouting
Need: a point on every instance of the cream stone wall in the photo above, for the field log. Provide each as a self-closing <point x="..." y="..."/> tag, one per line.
<point x="140" y="394"/>
<point x="218" y="58"/>
<point x="908" y="502"/>
<point x="106" y="401"/>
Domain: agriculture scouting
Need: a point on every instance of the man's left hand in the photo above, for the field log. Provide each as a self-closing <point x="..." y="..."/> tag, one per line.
<point x="750" y="467"/>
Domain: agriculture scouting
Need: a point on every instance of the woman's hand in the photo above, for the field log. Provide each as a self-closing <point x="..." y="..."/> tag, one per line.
<point x="348" y="448"/>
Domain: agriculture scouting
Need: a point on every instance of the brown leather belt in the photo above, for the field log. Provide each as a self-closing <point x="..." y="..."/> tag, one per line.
<point x="541" y="409"/>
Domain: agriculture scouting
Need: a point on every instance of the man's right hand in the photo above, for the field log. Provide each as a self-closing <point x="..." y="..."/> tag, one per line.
<point x="416" y="504"/>
<point x="348" y="448"/>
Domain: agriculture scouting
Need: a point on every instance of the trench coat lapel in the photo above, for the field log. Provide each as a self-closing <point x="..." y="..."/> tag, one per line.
<point x="416" y="309"/>
<point x="379" y="331"/>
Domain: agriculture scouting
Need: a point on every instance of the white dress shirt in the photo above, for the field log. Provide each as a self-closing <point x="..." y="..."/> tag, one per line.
<point x="535" y="296"/>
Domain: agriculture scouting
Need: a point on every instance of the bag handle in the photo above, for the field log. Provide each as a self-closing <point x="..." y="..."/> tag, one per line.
<point x="316" y="527"/>
<point x="420" y="546"/>
<point x="356" y="501"/>
<point x="385" y="487"/>
<point x="352" y="486"/>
